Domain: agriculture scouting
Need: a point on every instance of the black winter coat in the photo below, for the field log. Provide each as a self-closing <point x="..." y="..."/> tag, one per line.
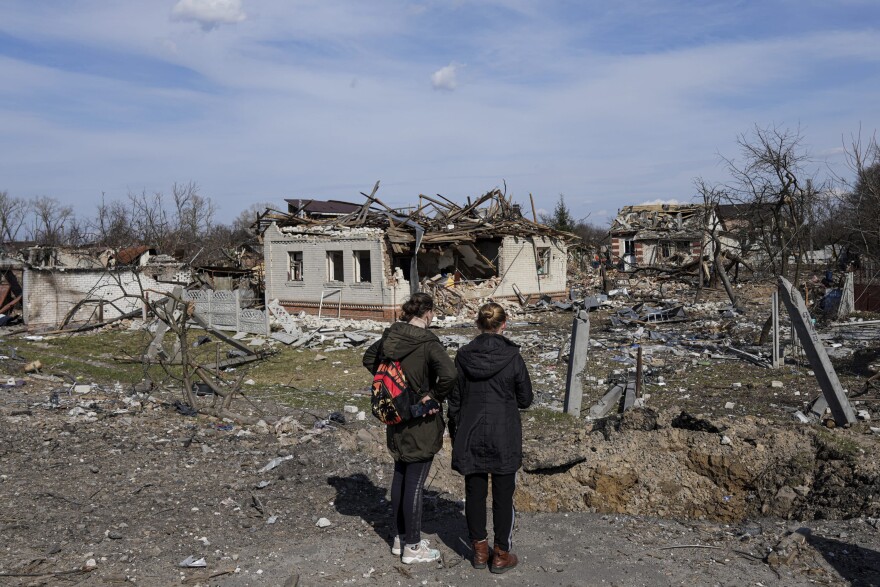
<point x="493" y="385"/>
<point x="429" y="371"/>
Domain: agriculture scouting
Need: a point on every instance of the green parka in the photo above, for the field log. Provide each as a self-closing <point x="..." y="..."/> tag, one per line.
<point x="428" y="370"/>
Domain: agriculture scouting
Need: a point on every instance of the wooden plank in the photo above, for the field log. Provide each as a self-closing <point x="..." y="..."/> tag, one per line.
<point x="10" y="305"/>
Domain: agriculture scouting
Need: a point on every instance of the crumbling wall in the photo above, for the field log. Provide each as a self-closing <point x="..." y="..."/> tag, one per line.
<point x="49" y="294"/>
<point x="517" y="266"/>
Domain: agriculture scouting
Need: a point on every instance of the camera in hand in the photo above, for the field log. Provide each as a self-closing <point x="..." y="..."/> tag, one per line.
<point x="422" y="409"/>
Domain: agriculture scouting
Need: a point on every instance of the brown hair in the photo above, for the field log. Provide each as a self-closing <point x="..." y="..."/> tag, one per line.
<point x="416" y="305"/>
<point x="490" y="317"/>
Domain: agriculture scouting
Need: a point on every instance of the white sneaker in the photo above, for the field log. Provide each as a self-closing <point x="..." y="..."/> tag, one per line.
<point x="397" y="547"/>
<point x="419" y="553"/>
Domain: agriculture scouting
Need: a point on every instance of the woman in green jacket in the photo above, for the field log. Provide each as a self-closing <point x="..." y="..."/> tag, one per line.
<point x="413" y="443"/>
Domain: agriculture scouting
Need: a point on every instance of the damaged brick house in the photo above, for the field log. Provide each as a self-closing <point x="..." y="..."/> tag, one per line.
<point x="664" y="235"/>
<point x="367" y="262"/>
<point x="72" y="286"/>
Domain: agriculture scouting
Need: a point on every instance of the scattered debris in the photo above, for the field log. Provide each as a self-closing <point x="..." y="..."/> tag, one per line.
<point x="192" y="562"/>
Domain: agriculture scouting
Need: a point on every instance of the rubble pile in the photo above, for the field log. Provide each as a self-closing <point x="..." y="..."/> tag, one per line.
<point x="125" y="482"/>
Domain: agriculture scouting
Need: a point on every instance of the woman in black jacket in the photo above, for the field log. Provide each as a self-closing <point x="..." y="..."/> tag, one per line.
<point x="413" y="443"/>
<point x="493" y="385"/>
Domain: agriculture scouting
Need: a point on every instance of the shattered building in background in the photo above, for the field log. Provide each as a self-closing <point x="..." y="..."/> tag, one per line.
<point x="365" y="263"/>
<point x="661" y="234"/>
<point x="69" y="286"/>
<point x="664" y="235"/>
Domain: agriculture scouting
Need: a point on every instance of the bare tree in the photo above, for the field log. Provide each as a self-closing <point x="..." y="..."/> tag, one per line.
<point x="149" y="219"/>
<point x="13" y="215"/>
<point x="112" y="224"/>
<point x="712" y="197"/>
<point x="249" y="216"/>
<point x="226" y="244"/>
<point x="51" y="221"/>
<point x="860" y="197"/>
<point x="591" y="234"/>
<point x="193" y="217"/>
<point x="773" y="183"/>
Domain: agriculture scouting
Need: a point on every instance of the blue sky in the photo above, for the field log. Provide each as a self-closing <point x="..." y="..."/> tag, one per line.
<point x="608" y="103"/>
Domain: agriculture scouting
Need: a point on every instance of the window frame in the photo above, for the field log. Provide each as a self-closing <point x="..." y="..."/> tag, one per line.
<point x="543" y="257"/>
<point x="358" y="256"/>
<point x="335" y="269"/>
<point x="290" y="266"/>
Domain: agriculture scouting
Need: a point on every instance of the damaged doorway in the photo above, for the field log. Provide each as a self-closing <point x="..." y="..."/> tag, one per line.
<point x="629" y="253"/>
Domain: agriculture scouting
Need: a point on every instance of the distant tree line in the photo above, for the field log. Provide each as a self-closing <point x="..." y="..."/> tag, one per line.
<point x="794" y="208"/>
<point x="181" y="223"/>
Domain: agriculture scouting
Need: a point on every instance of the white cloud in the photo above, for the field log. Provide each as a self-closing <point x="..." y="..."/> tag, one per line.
<point x="553" y="113"/>
<point x="660" y="201"/>
<point x="209" y="13"/>
<point x="444" y="78"/>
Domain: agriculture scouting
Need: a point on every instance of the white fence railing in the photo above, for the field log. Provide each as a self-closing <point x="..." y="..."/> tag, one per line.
<point x="227" y="310"/>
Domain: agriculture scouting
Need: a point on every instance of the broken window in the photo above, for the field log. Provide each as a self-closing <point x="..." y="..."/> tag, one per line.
<point x="334" y="266"/>
<point x="666" y="249"/>
<point x="295" y="266"/>
<point x="362" y="267"/>
<point x="403" y="263"/>
<point x="543" y="260"/>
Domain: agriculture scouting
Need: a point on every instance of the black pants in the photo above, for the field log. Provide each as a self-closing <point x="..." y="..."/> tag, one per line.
<point x="476" y="488"/>
<point x="406" y="498"/>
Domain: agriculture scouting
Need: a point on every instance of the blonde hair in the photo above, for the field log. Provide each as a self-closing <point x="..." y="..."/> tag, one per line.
<point x="490" y="317"/>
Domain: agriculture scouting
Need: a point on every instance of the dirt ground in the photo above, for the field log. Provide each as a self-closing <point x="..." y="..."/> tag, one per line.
<point x="139" y="492"/>
<point x="115" y="485"/>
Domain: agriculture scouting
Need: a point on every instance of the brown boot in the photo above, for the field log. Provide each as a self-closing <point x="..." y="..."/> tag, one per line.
<point x="481" y="553"/>
<point x="503" y="561"/>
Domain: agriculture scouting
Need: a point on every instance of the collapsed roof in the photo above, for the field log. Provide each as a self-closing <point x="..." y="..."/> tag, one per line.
<point x="652" y="221"/>
<point x="436" y="221"/>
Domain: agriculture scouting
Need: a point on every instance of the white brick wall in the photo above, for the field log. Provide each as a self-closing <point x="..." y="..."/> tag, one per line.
<point x="48" y="295"/>
<point x="517" y="266"/>
<point x="276" y="249"/>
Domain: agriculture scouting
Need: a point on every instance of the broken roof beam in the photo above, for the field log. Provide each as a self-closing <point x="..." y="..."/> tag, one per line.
<point x="360" y="215"/>
<point x="476" y="204"/>
<point x="449" y="205"/>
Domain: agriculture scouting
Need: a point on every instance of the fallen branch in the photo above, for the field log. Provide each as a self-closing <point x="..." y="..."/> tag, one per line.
<point x="49" y="574"/>
<point x="92" y="326"/>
